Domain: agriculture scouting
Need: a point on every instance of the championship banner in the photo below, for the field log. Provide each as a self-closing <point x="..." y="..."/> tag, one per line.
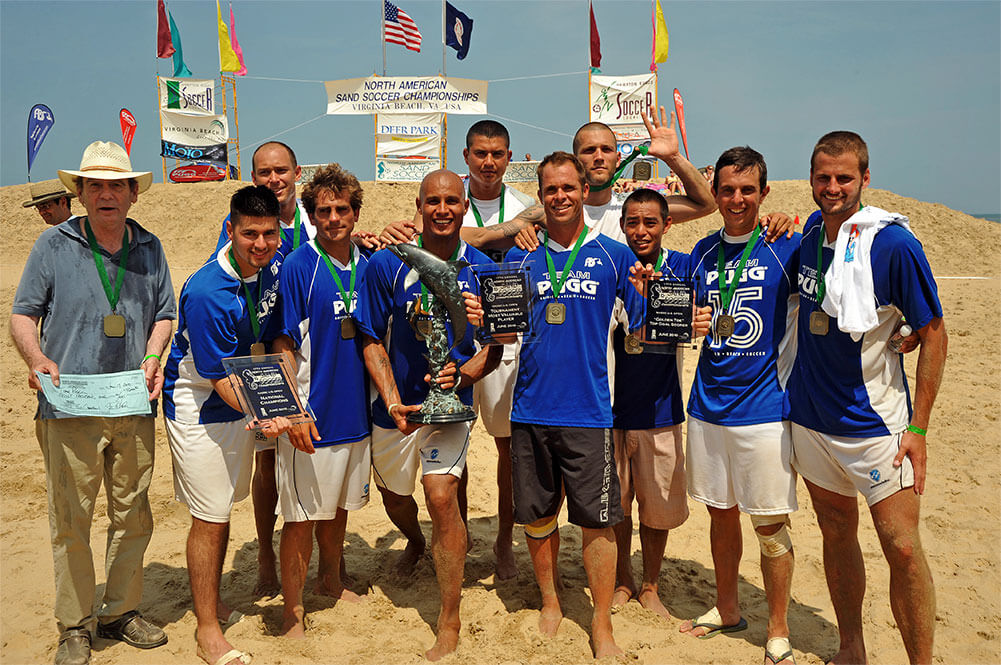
<point x="408" y="135"/>
<point x="188" y="95"/>
<point x="406" y="94"/>
<point x="128" y="123"/>
<point x="621" y="100"/>
<point x="193" y="137"/>
<point x="40" y="121"/>
<point x="404" y="170"/>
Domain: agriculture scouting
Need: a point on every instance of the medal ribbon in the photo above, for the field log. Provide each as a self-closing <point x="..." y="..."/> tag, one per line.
<point x="297" y="229"/>
<point x="111" y="293"/>
<point x="660" y="262"/>
<point x="726" y="294"/>
<point x="424" y="290"/>
<point x="640" y="150"/>
<point x="345" y="296"/>
<point x="557" y="284"/>
<point x="255" y="325"/>
<point x="476" y="213"/>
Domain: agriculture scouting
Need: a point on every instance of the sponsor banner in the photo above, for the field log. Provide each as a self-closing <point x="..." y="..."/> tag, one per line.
<point x="197" y="173"/>
<point x="679" y="108"/>
<point x="408" y="135"/>
<point x="621" y="100"/>
<point x="522" y="171"/>
<point x="406" y="94"/>
<point x="404" y="170"/>
<point x="216" y="153"/>
<point x="306" y="172"/>
<point x="193" y="129"/>
<point x="40" y="121"/>
<point x="128" y="123"/>
<point x="195" y="96"/>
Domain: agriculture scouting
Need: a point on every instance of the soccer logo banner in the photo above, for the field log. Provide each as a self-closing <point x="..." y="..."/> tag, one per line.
<point x="622" y="100"/>
<point x="196" y="138"/>
<point x="188" y="95"/>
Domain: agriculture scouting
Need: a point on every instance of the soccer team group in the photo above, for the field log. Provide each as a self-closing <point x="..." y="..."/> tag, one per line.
<point x="800" y="373"/>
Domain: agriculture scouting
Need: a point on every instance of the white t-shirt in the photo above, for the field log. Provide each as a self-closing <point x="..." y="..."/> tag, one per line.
<point x="606" y="217"/>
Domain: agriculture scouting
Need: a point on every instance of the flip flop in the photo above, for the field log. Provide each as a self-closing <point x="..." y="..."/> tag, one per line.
<point x="713" y="622"/>
<point x="778" y="649"/>
<point x="231" y="655"/>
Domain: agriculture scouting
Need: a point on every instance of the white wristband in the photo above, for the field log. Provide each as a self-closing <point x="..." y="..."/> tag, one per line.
<point x="390" y="409"/>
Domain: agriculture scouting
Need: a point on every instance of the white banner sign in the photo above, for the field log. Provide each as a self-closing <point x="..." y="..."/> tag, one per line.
<point x="406" y="135"/>
<point x="193" y="129"/>
<point x="188" y="95"/>
<point x="621" y="100"/>
<point x="404" y="170"/>
<point x="406" y="94"/>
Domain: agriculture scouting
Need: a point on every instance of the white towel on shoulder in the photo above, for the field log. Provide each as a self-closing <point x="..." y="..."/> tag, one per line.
<point x="850" y="295"/>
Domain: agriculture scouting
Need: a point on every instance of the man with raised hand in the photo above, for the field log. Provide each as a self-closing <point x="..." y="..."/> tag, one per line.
<point x="854" y="428"/>
<point x="396" y="359"/>
<point x="95" y="297"/>
<point x="318" y="297"/>
<point x="226" y="309"/>
<point x="739" y="446"/>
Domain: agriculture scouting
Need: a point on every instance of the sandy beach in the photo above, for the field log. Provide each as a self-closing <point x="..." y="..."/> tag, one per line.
<point x="961" y="511"/>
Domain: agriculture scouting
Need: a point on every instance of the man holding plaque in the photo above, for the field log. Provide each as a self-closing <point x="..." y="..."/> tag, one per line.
<point x="391" y="315"/>
<point x="225" y="310"/>
<point x="854" y="429"/>
<point x="99" y="288"/>
<point x="318" y="297"/>
<point x="738" y="439"/>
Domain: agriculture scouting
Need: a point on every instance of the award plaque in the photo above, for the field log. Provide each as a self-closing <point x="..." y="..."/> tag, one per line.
<point x="667" y="321"/>
<point x="266" y="387"/>
<point x="506" y="299"/>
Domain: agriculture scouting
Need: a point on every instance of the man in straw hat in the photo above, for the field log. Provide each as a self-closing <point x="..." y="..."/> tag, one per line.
<point x="51" y="200"/>
<point x="100" y="288"/>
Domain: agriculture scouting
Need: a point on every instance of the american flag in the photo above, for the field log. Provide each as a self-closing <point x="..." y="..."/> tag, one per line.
<point x="401" y="29"/>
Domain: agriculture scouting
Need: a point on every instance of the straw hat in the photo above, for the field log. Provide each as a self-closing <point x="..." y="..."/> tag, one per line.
<point x="106" y="161"/>
<point x="47" y="190"/>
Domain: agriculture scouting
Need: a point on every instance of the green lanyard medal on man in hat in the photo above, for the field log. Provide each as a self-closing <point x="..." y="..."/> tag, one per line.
<point x="114" y="323"/>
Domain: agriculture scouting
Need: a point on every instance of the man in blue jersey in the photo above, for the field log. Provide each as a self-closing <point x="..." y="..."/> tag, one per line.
<point x="318" y="296"/>
<point x="854" y="427"/>
<point x="562" y="415"/>
<point x="225" y="309"/>
<point x="647" y="414"/>
<point x="390" y="296"/>
<point x="738" y="439"/>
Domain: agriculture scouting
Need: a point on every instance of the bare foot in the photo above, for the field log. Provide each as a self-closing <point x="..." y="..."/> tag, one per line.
<point x="339" y="591"/>
<point x="505" y="568"/>
<point x="444" y="644"/>
<point x="549" y="620"/>
<point x="293" y="628"/>
<point x="407" y="561"/>
<point x="846" y="655"/>
<point x="603" y="643"/>
<point x="623" y="594"/>
<point x="211" y="648"/>
<point x="650" y="600"/>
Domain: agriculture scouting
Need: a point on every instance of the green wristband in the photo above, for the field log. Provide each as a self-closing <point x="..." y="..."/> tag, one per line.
<point x="917" y="430"/>
<point x="152" y="355"/>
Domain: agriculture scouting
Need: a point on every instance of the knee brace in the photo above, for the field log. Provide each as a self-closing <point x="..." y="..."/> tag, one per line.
<point x="543" y="531"/>
<point x="776" y="544"/>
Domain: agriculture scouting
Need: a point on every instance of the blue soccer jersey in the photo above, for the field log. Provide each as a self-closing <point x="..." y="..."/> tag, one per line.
<point x="214" y="323"/>
<point x="647" y="387"/>
<point x="386" y="297"/>
<point x="306" y="233"/>
<point x="843" y="387"/>
<point x="331" y="368"/>
<point x="563" y="374"/>
<point x="741" y="379"/>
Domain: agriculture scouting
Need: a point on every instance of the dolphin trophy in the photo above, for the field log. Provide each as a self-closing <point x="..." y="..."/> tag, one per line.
<point x="442" y="279"/>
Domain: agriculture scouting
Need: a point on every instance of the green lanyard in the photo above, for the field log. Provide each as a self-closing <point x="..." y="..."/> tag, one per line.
<point x="251" y="302"/>
<point x="557" y="284"/>
<point x="424" y="290"/>
<point x="111" y="293"/>
<point x="476" y="213"/>
<point x="725" y="294"/>
<point x="660" y="262"/>
<point x="640" y="150"/>
<point x="345" y="296"/>
<point x="298" y="227"/>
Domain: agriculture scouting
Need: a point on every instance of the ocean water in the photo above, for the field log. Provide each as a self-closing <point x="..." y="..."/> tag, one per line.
<point x="993" y="218"/>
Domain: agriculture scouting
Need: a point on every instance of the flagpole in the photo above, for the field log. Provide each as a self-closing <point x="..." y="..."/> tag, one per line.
<point x="443" y="37"/>
<point x="382" y="31"/>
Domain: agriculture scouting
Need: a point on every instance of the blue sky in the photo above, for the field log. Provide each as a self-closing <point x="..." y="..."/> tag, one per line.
<point x="920" y="81"/>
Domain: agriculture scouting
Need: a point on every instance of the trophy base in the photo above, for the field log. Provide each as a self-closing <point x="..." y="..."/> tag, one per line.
<point x="441" y="418"/>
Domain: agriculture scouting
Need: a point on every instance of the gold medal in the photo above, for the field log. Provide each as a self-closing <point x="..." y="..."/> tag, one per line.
<point x="556" y="313"/>
<point x="114" y="325"/>
<point x="257" y="349"/>
<point x="424" y="326"/>
<point x="633" y="344"/>
<point x="347" y="328"/>
<point x="725" y="325"/>
<point x="820" y="323"/>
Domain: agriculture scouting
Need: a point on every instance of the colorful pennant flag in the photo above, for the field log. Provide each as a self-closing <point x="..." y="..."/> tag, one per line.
<point x="40" y="121"/>
<point x="679" y="110"/>
<point x="180" y="69"/>
<point x="595" y="44"/>
<point x="128" y="122"/>
<point x="458" y="30"/>
<point x="400" y="29"/>
<point x="228" y="62"/>
<point x="660" y="40"/>
<point x="236" y="44"/>
<point x="164" y="47"/>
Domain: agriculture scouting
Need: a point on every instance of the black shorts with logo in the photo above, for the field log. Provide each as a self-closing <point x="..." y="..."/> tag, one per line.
<point x="545" y="460"/>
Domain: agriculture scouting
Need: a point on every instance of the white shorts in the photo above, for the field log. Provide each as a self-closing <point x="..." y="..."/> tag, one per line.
<point x="492" y="398"/>
<point x="847" y="465"/>
<point x="439" y="449"/>
<point x="748" y="466"/>
<point x="263" y="443"/>
<point x="213" y="463"/>
<point x="313" y="487"/>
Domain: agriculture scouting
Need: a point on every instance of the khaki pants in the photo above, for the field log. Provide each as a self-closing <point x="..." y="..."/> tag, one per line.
<point x="78" y="453"/>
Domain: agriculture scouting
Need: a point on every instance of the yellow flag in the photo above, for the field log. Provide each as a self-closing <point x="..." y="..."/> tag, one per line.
<point x="660" y="41"/>
<point x="228" y="62"/>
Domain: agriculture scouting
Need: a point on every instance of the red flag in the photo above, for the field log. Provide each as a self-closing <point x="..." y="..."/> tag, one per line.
<point x="679" y="109"/>
<point x="164" y="47"/>
<point x="595" y="42"/>
<point x="128" y="129"/>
